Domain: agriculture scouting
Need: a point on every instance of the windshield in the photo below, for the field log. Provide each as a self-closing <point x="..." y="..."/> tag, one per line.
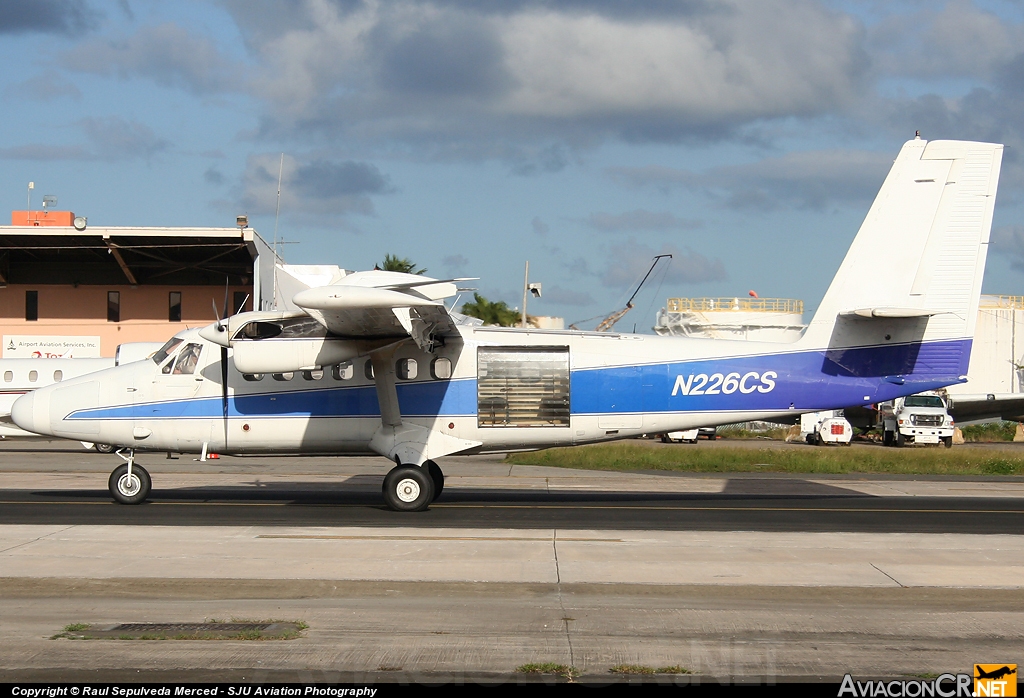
<point x="924" y="401"/>
<point x="165" y="350"/>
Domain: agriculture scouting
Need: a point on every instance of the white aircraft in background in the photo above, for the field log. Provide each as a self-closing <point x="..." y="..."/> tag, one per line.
<point x="375" y="363"/>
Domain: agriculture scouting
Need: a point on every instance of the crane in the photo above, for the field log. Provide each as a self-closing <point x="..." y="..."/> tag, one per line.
<point x="609" y="322"/>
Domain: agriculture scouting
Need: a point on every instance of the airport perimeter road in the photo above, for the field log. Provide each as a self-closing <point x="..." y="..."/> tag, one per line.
<point x="750" y="577"/>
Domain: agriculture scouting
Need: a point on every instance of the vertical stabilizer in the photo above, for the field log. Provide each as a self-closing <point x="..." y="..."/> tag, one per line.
<point x="914" y="271"/>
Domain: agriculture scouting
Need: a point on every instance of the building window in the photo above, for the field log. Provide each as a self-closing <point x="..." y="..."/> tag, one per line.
<point x="113" y="306"/>
<point x="241" y="301"/>
<point x="31" y="305"/>
<point x="174" y="306"/>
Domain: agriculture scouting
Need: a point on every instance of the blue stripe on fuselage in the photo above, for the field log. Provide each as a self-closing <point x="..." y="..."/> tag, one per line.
<point x="799" y="380"/>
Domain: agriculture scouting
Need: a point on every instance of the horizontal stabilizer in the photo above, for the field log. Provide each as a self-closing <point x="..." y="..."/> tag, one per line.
<point x="891" y="312"/>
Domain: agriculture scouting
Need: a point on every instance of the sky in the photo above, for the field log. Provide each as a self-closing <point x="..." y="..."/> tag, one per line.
<point x="747" y="139"/>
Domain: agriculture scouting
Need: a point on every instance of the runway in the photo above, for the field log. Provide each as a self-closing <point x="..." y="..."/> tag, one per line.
<point x="752" y="577"/>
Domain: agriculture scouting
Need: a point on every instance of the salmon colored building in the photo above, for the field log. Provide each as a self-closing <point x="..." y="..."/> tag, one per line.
<point x="93" y="288"/>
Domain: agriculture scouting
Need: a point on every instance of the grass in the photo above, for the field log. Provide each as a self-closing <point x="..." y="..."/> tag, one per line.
<point x="641" y="670"/>
<point x="795" y="458"/>
<point x="993" y="431"/>
<point x="777" y="434"/>
<point x="569" y="672"/>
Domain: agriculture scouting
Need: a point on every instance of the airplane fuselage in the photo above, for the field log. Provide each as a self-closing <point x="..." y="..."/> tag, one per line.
<point x="508" y="389"/>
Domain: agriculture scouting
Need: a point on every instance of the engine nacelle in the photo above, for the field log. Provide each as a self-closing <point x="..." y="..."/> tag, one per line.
<point x="284" y="355"/>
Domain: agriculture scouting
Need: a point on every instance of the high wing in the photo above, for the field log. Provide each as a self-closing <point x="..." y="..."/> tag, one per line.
<point x="971" y="408"/>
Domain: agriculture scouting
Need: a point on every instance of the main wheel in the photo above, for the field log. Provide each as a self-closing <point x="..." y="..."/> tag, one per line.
<point x="132" y="490"/>
<point x="408" y="488"/>
<point x="105" y="448"/>
<point x="434" y="470"/>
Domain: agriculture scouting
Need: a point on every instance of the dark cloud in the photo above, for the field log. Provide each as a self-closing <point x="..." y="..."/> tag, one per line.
<point x="68" y="17"/>
<point x="539" y="227"/>
<point x="321" y="179"/>
<point x="638" y="220"/>
<point x="553" y="158"/>
<point x="316" y="190"/>
<point x="628" y="263"/>
<point x="167" y="54"/>
<point x="808" y="180"/>
<point x="455" y="264"/>
<point x="213" y="176"/>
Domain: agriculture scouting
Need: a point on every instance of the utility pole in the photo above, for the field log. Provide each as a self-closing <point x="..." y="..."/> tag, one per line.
<point x="526" y="291"/>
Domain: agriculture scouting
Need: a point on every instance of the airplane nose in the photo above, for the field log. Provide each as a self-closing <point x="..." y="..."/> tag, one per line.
<point x="23" y="412"/>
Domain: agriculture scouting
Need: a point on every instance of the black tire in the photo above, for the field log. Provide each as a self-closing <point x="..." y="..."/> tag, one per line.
<point x="437" y="476"/>
<point x="887" y="439"/>
<point x="408" y="488"/>
<point x="901" y="440"/>
<point x="947" y="441"/>
<point x="105" y="448"/>
<point x="665" y="439"/>
<point x="125" y="492"/>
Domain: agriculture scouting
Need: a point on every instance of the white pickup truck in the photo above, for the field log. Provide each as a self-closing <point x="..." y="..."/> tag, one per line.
<point x="919" y="419"/>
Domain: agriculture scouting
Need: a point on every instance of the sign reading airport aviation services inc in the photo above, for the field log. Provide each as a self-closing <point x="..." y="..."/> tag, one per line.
<point x="25" y="346"/>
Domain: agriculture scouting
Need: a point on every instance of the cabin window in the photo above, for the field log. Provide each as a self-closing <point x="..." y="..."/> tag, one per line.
<point x="187" y="360"/>
<point x="165" y="351"/>
<point x="343" y="371"/>
<point x="8" y="376"/>
<point x="252" y="376"/>
<point x="113" y="306"/>
<point x="31" y="305"/>
<point x="283" y="376"/>
<point x="33" y="376"/>
<point x="174" y="306"/>
<point x="314" y="375"/>
<point x="523" y="386"/>
<point x="441" y="368"/>
<point x="58" y="376"/>
<point x="406" y="369"/>
<point x="368" y="370"/>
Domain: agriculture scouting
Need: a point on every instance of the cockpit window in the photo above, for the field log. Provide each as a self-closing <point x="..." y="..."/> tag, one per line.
<point x="166" y="350"/>
<point x="187" y="360"/>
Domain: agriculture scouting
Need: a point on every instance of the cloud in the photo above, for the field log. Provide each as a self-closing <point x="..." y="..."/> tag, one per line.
<point x="628" y="263"/>
<point x="539" y="227"/>
<point x="313" y="187"/>
<point x="111" y="139"/>
<point x="45" y="87"/>
<point x="68" y="17"/>
<point x="638" y="220"/>
<point x="564" y="296"/>
<point x="213" y="176"/>
<point x="116" y="139"/>
<point x="167" y="54"/>
<point x="1010" y="241"/>
<point x="807" y="180"/>
<point x="437" y="73"/>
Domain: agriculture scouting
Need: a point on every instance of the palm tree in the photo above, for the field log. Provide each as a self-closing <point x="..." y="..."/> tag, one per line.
<point x="402" y="264"/>
<point x="491" y="312"/>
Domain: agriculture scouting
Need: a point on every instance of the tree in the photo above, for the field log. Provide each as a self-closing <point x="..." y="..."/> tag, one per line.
<point x="403" y="264"/>
<point x="491" y="312"/>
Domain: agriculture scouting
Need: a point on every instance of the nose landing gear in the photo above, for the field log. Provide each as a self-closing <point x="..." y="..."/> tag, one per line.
<point x="129" y="483"/>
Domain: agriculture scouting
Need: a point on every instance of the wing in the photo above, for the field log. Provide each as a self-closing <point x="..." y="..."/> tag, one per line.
<point x="969" y="408"/>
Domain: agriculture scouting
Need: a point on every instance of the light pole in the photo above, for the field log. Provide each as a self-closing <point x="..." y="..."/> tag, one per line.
<point x="28" y="203"/>
<point x="528" y="288"/>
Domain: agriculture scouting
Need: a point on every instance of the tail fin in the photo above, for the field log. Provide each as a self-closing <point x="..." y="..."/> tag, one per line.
<point x="914" y="271"/>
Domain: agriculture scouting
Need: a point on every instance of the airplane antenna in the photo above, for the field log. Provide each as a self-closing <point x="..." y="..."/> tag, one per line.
<point x="277" y="217"/>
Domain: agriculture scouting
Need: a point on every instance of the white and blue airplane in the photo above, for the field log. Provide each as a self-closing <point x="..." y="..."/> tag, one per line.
<point x="376" y="363"/>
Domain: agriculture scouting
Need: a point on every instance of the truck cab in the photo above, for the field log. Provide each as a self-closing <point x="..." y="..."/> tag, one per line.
<point x="916" y="419"/>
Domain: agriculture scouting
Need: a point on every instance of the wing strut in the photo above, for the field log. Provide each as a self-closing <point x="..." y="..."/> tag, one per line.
<point x="402" y="441"/>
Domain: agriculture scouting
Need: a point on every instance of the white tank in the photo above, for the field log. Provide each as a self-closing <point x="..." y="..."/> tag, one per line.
<point x="759" y="319"/>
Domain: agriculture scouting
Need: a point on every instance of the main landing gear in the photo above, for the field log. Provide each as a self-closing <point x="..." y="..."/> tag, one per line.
<point x="413" y="487"/>
<point x="129" y="483"/>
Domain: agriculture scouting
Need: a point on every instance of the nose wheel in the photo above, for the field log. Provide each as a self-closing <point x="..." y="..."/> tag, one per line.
<point x="129" y="483"/>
